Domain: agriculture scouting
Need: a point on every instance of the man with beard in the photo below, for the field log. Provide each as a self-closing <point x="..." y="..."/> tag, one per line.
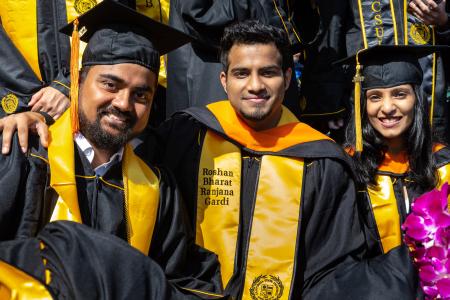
<point x="94" y="175"/>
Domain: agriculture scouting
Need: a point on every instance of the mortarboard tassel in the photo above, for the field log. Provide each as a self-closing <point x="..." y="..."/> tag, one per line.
<point x="74" y="75"/>
<point x="357" y="80"/>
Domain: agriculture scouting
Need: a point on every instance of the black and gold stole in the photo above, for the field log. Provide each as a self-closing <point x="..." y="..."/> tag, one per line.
<point x="274" y="227"/>
<point x="141" y="186"/>
<point x="384" y="203"/>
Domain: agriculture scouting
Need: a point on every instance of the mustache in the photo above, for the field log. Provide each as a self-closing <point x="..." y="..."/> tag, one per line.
<point x="264" y="95"/>
<point x="127" y="116"/>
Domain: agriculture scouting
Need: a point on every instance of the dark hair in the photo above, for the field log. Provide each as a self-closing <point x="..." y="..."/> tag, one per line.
<point x="83" y="73"/>
<point x="253" y="32"/>
<point x="419" y="143"/>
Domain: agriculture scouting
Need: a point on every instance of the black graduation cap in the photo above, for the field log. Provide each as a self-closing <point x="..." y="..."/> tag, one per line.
<point x="117" y="34"/>
<point x="390" y="65"/>
<point x="385" y="66"/>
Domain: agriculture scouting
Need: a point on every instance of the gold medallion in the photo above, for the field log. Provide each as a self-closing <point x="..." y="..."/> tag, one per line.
<point x="420" y="33"/>
<point x="82" y="6"/>
<point x="10" y="103"/>
<point x="266" y="287"/>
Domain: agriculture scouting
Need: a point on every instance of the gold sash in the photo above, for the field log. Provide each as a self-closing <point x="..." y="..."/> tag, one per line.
<point x="19" y="18"/>
<point x="218" y="198"/>
<point x="385" y="210"/>
<point x="272" y="246"/>
<point x="384" y="205"/>
<point x="444" y="175"/>
<point x="276" y="215"/>
<point x="141" y="200"/>
<point x="140" y="183"/>
<point x="17" y="285"/>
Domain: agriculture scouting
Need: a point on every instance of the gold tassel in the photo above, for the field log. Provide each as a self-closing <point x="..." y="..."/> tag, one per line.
<point x="74" y="75"/>
<point x="357" y="80"/>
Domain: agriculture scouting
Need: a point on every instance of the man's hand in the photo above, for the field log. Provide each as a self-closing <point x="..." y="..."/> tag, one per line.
<point x="51" y="101"/>
<point x="429" y="12"/>
<point x="23" y="122"/>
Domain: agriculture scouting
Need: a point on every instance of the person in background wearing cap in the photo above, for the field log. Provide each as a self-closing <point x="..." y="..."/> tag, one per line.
<point x="93" y="172"/>
<point x="399" y="159"/>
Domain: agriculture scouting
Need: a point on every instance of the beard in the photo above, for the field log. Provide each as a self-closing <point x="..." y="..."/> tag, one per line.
<point x="103" y="139"/>
<point x="258" y="113"/>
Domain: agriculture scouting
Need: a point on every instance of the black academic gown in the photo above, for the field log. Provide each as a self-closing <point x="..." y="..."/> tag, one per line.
<point x="27" y="201"/>
<point x="385" y="248"/>
<point x="52" y="65"/>
<point x="330" y="236"/>
<point x="72" y="261"/>
<point x="325" y="88"/>
<point x="193" y="70"/>
<point x="401" y="183"/>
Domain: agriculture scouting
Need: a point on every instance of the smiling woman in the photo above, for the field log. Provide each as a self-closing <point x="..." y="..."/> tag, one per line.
<point x="390" y="112"/>
<point x="393" y="116"/>
<point x="399" y="160"/>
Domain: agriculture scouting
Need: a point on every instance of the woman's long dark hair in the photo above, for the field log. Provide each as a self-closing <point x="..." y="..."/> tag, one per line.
<point x="418" y="139"/>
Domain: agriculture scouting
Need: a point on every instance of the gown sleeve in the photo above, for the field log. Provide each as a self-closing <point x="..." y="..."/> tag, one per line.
<point x="22" y="186"/>
<point x="74" y="261"/>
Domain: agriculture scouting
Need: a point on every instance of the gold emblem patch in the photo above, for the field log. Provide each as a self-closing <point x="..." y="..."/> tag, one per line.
<point x="82" y="6"/>
<point x="420" y="33"/>
<point x="10" y="103"/>
<point x="266" y="287"/>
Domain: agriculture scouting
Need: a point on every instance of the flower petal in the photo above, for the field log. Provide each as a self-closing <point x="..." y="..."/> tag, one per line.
<point x="443" y="286"/>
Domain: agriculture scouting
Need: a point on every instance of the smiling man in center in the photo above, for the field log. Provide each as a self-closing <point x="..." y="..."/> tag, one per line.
<point x="290" y="217"/>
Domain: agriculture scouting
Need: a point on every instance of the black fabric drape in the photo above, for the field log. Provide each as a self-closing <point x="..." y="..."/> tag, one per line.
<point x="87" y="264"/>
